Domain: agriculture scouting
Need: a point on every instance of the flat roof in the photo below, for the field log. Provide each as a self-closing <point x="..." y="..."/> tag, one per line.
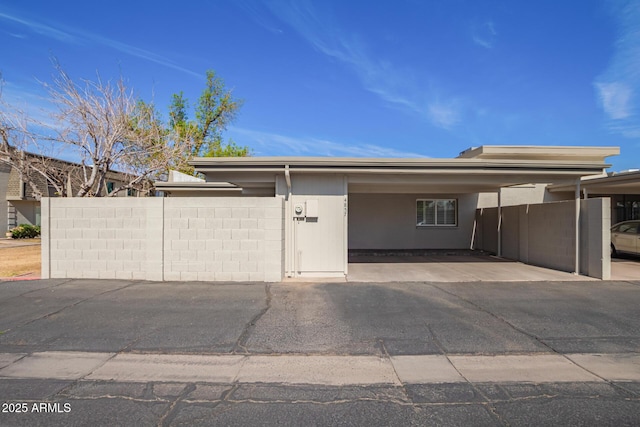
<point x="479" y="169"/>
<point x="486" y="155"/>
<point x="539" y="152"/>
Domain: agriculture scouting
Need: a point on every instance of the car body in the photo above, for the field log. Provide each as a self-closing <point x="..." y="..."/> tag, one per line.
<point x="625" y="237"/>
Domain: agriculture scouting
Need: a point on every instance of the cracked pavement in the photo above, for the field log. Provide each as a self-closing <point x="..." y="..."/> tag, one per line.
<point x="454" y="321"/>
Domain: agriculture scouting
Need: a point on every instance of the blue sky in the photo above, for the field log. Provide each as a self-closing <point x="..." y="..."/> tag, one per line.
<point x="357" y="78"/>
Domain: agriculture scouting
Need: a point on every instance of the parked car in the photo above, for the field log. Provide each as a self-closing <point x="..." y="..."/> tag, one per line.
<point x="625" y="237"/>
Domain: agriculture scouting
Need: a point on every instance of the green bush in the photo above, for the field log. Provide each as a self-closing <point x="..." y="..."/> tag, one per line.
<point x="25" y="231"/>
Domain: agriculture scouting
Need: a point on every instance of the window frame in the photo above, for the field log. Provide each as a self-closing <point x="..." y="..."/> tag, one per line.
<point x="435" y="216"/>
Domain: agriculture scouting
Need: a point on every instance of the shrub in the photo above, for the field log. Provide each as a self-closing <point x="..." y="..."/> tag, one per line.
<point x="25" y="231"/>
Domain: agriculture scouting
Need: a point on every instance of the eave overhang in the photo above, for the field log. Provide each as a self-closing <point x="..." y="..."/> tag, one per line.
<point x="492" y="174"/>
<point x="349" y="165"/>
<point x="483" y="170"/>
<point x="620" y="183"/>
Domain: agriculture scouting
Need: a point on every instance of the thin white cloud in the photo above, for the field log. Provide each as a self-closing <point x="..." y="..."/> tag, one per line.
<point x="273" y="144"/>
<point x="77" y="36"/>
<point x="141" y="53"/>
<point x="259" y="15"/>
<point x="41" y="29"/>
<point x="616" y="99"/>
<point x="31" y="101"/>
<point x="618" y="88"/>
<point x="392" y="84"/>
<point x="484" y="35"/>
<point x="444" y="115"/>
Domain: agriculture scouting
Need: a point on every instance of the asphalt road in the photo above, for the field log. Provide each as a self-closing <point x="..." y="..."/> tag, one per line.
<point x="386" y="320"/>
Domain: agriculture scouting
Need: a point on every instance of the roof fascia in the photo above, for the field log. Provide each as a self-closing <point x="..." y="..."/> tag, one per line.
<point x="604" y="181"/>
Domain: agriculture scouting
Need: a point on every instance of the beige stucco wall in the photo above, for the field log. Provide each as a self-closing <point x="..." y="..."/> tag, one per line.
<point x="235" y="239"/>
<point x="388" y="221"/>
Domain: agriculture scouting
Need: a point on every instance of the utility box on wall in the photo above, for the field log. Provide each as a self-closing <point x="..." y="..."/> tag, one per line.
<point x="307" y="209"/>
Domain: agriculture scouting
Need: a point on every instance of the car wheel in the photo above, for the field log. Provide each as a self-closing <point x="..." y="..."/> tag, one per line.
<point x="613" y="251"/>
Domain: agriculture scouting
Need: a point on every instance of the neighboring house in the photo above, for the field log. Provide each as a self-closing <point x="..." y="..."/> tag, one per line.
<point x="5" y="171"/>
<point x="19" y="204"/>
<point x="622" y="187"/>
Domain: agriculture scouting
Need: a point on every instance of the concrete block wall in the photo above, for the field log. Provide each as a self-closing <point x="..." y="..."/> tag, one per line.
<point x="486" y="236"/>
<point x="102" y="238"/>
<point x="595" y="237"/>
<point x="552" y="235"/>
<point x="510" y="227"/>
<point x="544" y="235"/>
<point x="222" y="239"/>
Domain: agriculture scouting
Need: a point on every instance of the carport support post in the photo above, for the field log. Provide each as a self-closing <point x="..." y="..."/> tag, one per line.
<point x="499" y="222"/>
<point x="289" y="247"/>
<point x="577" y="196"/>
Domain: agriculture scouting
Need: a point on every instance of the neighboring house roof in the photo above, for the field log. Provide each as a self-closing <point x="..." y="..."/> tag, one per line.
<point x="176" y="176"/>
<point x="218" y="187"/>
<point x="15" y="191"/>
<point x="180" y="182"/>
<point x="614" y="183"/>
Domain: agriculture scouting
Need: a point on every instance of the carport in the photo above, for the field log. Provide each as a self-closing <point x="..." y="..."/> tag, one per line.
<point x="622" y="187"/>
<point x="335" y="206"/>
<point x="385" y="211"/>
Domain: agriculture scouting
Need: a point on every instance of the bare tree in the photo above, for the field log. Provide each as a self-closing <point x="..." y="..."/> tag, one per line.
<point x="111" y="131"/>
<point x="107" y="129"/>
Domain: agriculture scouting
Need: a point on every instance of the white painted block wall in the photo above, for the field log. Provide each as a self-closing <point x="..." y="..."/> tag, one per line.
<point x="217" y="239"/>
<point x="544" y="235"/>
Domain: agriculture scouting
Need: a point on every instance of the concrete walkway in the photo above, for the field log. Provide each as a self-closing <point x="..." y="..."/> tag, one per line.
<point x="322" y="369"/>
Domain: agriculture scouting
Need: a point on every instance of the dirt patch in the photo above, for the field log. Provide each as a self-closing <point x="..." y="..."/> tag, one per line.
<point x="19" y="260"/>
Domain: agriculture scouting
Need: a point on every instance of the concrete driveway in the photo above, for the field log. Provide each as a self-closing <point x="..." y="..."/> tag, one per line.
<point x="625" y="267"/>
<point x="449" y="268"/>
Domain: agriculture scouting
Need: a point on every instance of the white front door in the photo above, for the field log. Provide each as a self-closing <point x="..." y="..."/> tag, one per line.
<point x="317" y="226"/>
<point x="319" y="240"/>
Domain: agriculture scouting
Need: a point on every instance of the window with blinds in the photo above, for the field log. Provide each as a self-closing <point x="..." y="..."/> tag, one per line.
<point x="437" y="212"/>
